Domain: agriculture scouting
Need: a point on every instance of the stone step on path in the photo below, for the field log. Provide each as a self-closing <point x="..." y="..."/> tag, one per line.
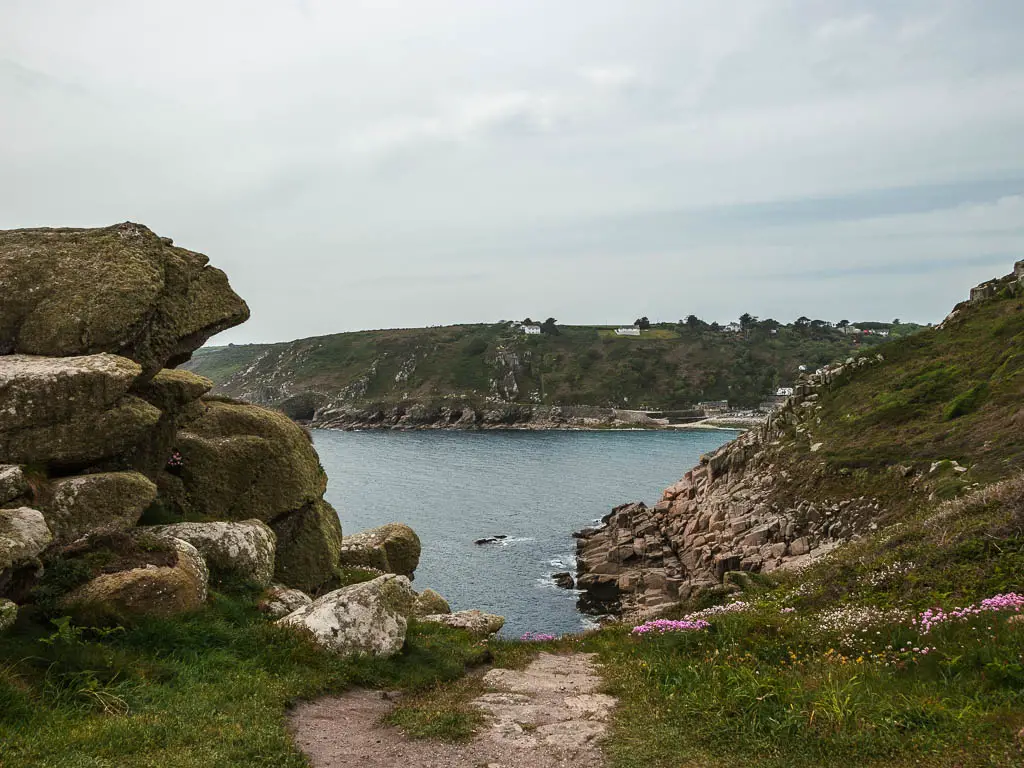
<point x="548" y="715"/>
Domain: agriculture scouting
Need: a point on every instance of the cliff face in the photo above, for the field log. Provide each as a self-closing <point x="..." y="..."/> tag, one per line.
<point x="476" y="375"/>
<point x="859" y="445"/>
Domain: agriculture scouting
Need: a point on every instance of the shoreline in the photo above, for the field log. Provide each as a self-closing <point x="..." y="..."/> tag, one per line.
<point x="702" y="425"/>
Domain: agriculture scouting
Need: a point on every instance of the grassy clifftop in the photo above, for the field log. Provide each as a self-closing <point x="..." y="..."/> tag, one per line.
<point x="669" y="366"/>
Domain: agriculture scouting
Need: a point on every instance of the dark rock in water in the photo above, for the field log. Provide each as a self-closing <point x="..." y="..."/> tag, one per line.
<point x="491" y="539"/>
<point x="564" y="580"/>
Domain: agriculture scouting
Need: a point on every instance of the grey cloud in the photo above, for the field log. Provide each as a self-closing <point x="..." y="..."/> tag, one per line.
<point x="531" y="157"/>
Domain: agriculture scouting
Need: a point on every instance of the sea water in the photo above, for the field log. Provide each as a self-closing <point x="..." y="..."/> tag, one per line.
<point x="534" y="488"/>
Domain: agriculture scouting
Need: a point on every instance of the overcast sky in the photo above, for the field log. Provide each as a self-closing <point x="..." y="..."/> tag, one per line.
<point x="393" y="163"/>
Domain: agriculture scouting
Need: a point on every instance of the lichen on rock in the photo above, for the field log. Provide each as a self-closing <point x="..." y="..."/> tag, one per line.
<point x="308" y="545"/>
<point x="243" y="549"/>
<point x="369" y="618"/>
<point x="428" y="602"/>
<point x="100" y="502"/>
<point x="391" y="548"/>
<point x="475" y="622"/>
<point x="119" y="289"/>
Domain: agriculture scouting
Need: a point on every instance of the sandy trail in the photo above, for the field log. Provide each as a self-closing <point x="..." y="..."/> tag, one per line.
<point x="548" y="715"/>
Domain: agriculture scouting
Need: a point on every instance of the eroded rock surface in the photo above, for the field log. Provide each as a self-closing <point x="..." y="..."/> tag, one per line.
<point x="244" y="549"/>
<point x="23" y="536"/>
<point x="176" y="583"/>
<point x="100" y="502"/>
<point x="119" y="289"/>
<point x="370" y="618"/>
<point x="278" y="601"/>
<point x="429" y="602"/>
<point x="549" y="715"/>
<point x="392" y="548"/>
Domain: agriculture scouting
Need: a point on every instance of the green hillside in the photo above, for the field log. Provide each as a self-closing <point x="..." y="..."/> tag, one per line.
<point x="669" y="366"/>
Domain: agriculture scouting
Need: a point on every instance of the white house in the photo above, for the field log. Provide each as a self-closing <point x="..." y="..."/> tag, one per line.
<point x="784" y="392"/>
<point x="531" y="330"/>
<point x="733" y="328"/>
<point x="627" y="331"/>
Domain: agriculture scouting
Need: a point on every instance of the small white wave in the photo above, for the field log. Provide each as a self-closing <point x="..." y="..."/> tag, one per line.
<point x="514" y="540"/>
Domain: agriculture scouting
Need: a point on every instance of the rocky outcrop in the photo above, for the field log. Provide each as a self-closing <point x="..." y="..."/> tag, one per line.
<point x="723" y="516"/>
<point x="392" y="548"/>
<point x="475" y="622"/>
<point x="119" y="289"/>
<point x="428" y="602"/>
<point x="169" y="577"/>
<point x="99" y="435"/>
<point x="278" y="601"/>
<point x="243" y="550"/>
<point x="8" y="614"/>
<point x="101" y="502"/>
<point x="369" y="618"/>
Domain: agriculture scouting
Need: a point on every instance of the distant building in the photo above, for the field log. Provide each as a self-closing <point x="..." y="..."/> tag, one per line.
<point x="627" y="331"/>
<point x="784" y="392"/>
<point x="531" y="330"/>
<point x="713" y="406"/>
<point x="732" y="328"/>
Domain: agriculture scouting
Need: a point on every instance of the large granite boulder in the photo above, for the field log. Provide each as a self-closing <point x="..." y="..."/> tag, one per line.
<point x="23" y="536"/>
<point x="146" y="576"/>
<point x="392" y="548"/>
<point x="475" y="622"/>
<point x="369" y="618"/>
<point x="241" y="461"/>
<point x="308" y="545"/>
<point x="68" y="411"/>
<point x="243" y="550"/>
<point x="100" y="502"/>
<point x="118" y="289"/>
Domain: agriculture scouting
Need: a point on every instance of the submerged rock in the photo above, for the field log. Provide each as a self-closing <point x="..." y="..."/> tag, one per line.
<point x="392" y="548"/>
<point x="278" y="601"/>
<point x="491" y="539"/>
<point x="475" y="622"/>
<point x="564" y="580"/>
<point x="119" y="289"/>
<point x="369" y="618"/>
<point x="244" y="549"/>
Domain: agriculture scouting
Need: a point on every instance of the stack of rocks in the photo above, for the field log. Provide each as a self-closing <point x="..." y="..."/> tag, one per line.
<point x="112" y="460"/>
<point x="719" y="518"/>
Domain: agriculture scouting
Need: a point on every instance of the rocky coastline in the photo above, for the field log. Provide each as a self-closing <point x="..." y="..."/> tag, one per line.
<point x="721" y="519"/>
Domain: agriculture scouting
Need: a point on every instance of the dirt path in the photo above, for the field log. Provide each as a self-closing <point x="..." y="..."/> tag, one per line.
<point x="545" y="716"/>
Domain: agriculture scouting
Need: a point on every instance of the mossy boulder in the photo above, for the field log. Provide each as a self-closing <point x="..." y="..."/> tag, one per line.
<point x="172" y="390"/>
<point x="428" y="603"/>
<point x="37" y="391"/>
<point x="101" y="502"/>
<point x="278" y="601"/>
<point x="243" y="550"/>
<point x="308" y="545"/>
<point x="140" y="575"/>
<point x="391" y="548"/>
<point x="119" y="289"/>
<point x="241" y="461"/>
<point x="85" y="439"/>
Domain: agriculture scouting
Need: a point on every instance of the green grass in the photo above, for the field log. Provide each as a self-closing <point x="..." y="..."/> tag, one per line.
<point x="669" y="366"/>
<point x="206" y="690"/>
